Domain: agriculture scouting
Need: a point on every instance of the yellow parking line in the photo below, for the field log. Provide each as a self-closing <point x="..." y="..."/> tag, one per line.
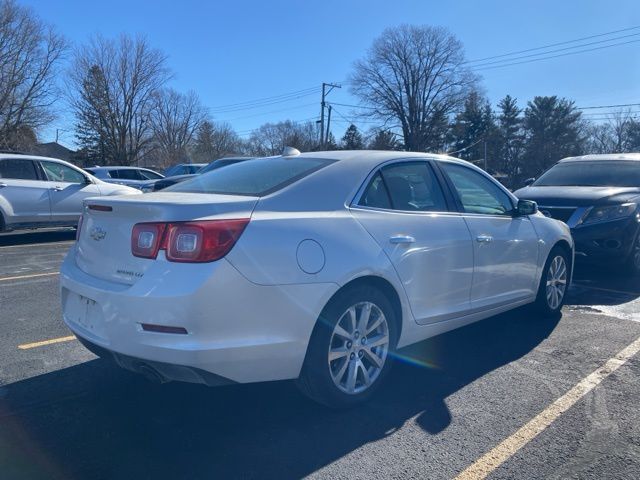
<point x="27" y="346"/>
<point x="32" y="275"/>
<point x="491" y="460"/>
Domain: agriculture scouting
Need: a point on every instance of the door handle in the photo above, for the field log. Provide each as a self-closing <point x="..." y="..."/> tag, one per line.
<point x="484" y="239"/>
<point x="57" y="188"/>
<point x="2" y="185"/>
<point x="402" y="239"/>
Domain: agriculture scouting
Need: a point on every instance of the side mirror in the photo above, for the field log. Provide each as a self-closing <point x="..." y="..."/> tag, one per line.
<point x="526" y="207"/>
<point x="529" y="181"/>
<point x="88" y="181"/>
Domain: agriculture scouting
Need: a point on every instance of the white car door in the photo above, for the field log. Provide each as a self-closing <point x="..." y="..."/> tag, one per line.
<point x="505" y="246"/>
<point x="405" y="209"/>
<point x="24" y="196"/>
<point x="68" y="187"/>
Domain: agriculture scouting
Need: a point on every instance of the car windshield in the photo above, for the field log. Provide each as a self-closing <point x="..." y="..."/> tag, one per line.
<point x="587" y="173"/>
<point x="252" y="177"/>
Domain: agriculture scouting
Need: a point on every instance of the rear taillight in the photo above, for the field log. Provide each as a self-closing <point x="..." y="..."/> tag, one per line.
<point x="78" y="228"/>
<point x="201" y="241"/>
<point x="146" y="239"/>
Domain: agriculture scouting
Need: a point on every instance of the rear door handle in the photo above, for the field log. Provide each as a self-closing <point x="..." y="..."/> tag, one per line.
<point x="57" y="188"/>
<point x="402" y="239"/>
<point x="484" y="239"/>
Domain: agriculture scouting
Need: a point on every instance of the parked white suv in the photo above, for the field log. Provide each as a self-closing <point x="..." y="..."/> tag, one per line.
<point x="44" y="192"/>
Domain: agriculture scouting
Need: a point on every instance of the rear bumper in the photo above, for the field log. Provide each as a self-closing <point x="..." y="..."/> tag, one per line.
<point x="237" y="330"/>
<point x="606" y="242"/>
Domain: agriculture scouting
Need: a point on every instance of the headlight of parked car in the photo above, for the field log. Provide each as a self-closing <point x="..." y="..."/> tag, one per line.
<point x="612" y="212"/>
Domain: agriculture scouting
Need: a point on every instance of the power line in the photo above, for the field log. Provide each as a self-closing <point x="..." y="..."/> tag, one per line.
<point x="610" y="106"/>
<point x="497" y="62"/>
<point x="560" y="55"/>
<point x="552" y="45"/>
<point x="267" y="101"/>
<point x="270" y="112"/>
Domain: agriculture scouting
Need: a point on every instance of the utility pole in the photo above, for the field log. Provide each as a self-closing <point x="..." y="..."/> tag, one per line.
<point x="326" y="137"/>
<point x="325" y="92"/>
<point x="485" y="157"/>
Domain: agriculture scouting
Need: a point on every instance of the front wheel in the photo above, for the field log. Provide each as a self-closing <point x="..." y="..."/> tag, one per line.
<point x="348" y="355"/>
<point x="554" y="282"/>
<point x="632" y="265"/>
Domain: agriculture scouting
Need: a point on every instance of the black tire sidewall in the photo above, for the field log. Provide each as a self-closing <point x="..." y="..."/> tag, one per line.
<point x="315" y="379"/>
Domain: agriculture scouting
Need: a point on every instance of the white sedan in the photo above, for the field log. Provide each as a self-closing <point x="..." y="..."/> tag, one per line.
<point x="314" y="267"/>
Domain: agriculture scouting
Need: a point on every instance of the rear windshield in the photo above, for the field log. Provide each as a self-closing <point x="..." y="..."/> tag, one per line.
<point x="257" y="177"/>
<point x="585" y="173"/>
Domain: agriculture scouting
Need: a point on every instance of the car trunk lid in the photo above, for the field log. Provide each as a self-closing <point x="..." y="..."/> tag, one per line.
<point x="104" y="243"/>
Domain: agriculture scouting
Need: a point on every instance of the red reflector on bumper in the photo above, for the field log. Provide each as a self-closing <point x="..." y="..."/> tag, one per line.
<point x="149" y="327"/>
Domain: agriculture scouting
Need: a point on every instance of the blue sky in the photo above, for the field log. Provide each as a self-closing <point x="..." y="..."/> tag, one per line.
<point x="236" y="51"/>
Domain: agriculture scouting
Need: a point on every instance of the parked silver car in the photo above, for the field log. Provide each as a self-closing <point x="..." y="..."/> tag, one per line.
<point x="135" y="177"/>
<point x="44" y="192"/>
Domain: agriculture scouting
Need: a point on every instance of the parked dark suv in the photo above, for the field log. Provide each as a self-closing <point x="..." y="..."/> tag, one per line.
<point x="598" y="196"/>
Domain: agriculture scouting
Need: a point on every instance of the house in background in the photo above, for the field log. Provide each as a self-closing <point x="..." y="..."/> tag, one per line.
<point x="55" y="150"/>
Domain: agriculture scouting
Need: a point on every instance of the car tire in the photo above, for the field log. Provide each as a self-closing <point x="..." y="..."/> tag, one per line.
<point x="342" y="367"/>
<point x="554" y="282"/>
<point x="3" y="225"/>
<point x="632" y="264"/>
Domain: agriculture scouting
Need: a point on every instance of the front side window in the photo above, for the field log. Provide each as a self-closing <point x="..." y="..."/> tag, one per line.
<point x="410" y="186"/>
<point x="18" y="169"/>
<point x="149" y="175"/>
<point x="477" y="193"/>
<point x="57" y="172"/>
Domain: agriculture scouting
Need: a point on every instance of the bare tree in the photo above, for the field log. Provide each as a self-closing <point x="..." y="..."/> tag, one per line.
<point x="215" y="140"/>
<point x="612" y="136"/>
<point x="30" y="53"/>
<point x="412" y="77"/>
<point x="175" y="118"/>
<point x="271" y="138"/>
<point x="112" y="88"/>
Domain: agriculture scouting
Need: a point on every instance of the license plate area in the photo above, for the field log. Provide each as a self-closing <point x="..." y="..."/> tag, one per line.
<point x="86" y="313"/>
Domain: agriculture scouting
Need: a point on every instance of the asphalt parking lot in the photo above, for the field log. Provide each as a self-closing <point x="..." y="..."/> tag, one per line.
<point x="455" y="404"/>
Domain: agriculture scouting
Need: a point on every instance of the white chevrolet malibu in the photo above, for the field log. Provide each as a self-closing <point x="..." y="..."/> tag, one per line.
<point x="312" y="266"/>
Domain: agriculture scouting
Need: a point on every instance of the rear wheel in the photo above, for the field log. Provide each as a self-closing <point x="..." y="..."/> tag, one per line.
<point x="348" y="355"/>
<point x="554" y="282"/>
<point x="2" y="224"/>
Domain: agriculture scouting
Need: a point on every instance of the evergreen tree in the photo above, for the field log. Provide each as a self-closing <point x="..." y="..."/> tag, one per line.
<point x="384" y="140"/>
<point x="474" y="130"/>
<point x="352" y="139"/>
<point x="553" y="130"/>
<point x="510" y="139"/>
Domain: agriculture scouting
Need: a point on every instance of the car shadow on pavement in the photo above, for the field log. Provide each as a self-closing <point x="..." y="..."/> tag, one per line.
<point x="36" y="236"/>
<point x="602" y="286"/>
<point x="95" y="420"/>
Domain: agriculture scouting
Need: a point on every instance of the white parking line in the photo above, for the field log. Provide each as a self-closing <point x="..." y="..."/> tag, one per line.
<point x="491" y="460"/>
<point x="33" y="275"/>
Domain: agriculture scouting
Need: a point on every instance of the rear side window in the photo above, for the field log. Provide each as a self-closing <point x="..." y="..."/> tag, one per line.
<point x="257" y="177"/>
<point x="128" y="174"/>
<point x="18" y="169"/>
<point x="410" y="186"/>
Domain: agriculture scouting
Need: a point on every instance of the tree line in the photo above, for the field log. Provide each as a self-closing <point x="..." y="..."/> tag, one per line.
<point x="414" y="84"/>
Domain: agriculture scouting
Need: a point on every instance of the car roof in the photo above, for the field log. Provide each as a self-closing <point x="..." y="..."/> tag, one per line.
<point x="371" y="158"/>
<point x="115" y="167"/>
<point x="603" y="157"/>
<point x="22" y="156"/>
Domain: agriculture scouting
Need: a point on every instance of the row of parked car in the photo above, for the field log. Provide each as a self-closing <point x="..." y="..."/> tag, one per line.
<point x="38" y="192"/>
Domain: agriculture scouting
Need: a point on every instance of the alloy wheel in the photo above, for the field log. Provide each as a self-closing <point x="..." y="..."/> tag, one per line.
<point x="358" y="348"/>
<point x="556" y="282"/>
